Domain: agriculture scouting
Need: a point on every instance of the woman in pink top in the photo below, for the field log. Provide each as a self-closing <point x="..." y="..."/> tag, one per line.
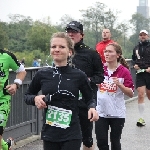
<point x="110" y="98"/>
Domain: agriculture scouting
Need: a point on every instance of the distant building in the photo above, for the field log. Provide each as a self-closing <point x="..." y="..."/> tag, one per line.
<point x="143" y="8"/>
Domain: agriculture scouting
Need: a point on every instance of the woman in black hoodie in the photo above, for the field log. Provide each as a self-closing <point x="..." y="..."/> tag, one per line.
<point x="60" y="86"/>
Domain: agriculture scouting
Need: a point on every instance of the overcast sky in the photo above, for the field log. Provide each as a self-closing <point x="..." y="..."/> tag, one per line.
<point x="38" y="9"/>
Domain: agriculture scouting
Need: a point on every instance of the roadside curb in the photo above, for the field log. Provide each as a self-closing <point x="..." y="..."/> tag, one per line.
<point x="26" y="141"/>
<point x="131" y="99"/>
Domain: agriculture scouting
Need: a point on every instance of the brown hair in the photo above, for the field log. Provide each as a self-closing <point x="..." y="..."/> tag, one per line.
<point x="121" y="59"/>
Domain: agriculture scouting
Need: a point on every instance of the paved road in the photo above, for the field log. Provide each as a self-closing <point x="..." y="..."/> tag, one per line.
<point x="133" y="137"/>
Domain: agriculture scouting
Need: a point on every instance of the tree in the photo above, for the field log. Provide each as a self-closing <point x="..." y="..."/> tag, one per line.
<point x="96" y="17"/>
<point x="124" y="27"/>
<point x="64" y="20"/>
<point x="93" y="19"/>
<point x="39" y="36"/>
<point x="3" y="35"/>
<point x="18" y="27"/>
<point x="138" y="22"/>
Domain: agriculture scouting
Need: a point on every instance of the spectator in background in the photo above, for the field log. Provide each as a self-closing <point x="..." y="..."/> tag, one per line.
<point x="39" y="61"/>
<point x="100" y="47"/>
<point x="35" y="63"/>
<point x="141" y="59"/>
<point x="23" y="62"/>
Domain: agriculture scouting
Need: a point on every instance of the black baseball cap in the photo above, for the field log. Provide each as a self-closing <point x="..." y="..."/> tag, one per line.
<point x="75" y="25"/>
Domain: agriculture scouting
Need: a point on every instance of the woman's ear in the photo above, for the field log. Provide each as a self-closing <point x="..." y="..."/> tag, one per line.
<point x="118" y="55"/>
<point x="70" y="53"/>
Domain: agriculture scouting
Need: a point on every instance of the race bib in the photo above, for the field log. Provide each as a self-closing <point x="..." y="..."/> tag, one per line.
<point x="108" y="87"/>
<point x="58" y="117"/>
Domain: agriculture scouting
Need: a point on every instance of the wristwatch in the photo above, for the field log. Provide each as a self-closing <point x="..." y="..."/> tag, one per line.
<point x="18" y="85"/>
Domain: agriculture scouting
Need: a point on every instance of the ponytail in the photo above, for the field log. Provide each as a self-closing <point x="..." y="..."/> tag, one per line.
<point x="123" y="62"/>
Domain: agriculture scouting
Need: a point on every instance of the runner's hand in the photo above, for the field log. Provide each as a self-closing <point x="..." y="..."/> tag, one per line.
<point x="11" y="89"/>
<point x="148" y="70"/>
<point x="116" y="81"/>
<point x="93" y="115"/>
<point x="136" y="67"/>
<point x="39" y="102"/>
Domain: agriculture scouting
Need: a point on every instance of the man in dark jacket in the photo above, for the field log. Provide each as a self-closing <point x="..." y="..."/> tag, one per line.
<point x="89" y="61"/>
<point x="141" y="59"/>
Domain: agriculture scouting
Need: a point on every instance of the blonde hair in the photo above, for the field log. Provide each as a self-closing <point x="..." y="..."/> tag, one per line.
<point x="118" y="50"/>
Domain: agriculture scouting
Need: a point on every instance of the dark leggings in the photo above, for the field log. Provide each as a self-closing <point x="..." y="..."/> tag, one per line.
<point x="86" y="127"/>
<point x="66" y="145"/>
<point x="101" y="130"/>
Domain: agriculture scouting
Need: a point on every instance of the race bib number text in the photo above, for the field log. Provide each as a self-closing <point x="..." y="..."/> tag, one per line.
<point x="58" y="117"/>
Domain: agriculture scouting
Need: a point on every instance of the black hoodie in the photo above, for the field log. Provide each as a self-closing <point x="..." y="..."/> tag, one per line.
<point x="89" y="61"/>
<point x="63" y="84"/>
<point x="141" y="55"/>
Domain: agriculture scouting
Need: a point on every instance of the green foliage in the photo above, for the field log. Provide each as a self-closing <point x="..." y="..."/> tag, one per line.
<point x="96" y="17"/>
<point x="59" y="28"/>
<point x="89" y="39"/>
<point x="39" y="36"/>
<point x="139" y="22"/>
<point x="29" y="57"/>
<point x="17" y="32"/>
<point x="93" y="19"/>
<point x="29" y="39"/>
<point x="3" y="35"/>
<point x="128" y="49"/>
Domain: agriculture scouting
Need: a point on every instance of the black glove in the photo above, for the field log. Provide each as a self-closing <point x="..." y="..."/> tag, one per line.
<point x="47" y="99"/>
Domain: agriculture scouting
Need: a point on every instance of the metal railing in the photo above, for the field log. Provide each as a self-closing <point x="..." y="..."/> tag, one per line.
<point x="24" y="120"/>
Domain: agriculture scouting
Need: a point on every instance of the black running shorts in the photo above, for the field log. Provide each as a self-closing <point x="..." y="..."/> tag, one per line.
<point x="143" y="79"/>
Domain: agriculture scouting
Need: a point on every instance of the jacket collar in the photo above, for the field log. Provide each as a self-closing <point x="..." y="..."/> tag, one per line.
<point x="79" y="45"/>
